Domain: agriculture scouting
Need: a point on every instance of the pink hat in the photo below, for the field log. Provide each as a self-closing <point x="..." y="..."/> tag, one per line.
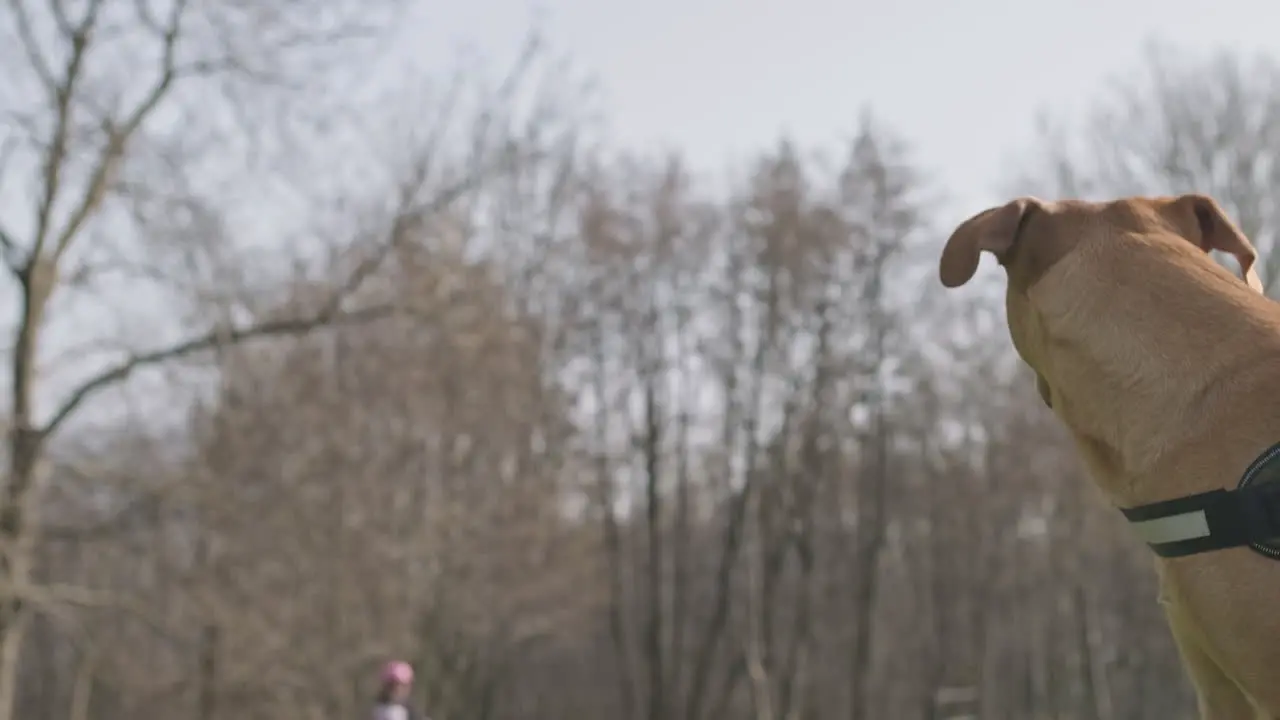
<point x="397" y="672"/>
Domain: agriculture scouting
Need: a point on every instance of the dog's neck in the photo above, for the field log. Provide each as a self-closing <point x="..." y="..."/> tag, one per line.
<point x="1142" y="370"/>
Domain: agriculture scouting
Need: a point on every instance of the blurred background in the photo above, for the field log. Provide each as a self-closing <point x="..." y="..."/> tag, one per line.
<point x="590" y="356"/>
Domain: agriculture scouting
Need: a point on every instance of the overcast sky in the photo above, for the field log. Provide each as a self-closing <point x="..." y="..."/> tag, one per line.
<point x="961" y="81"/>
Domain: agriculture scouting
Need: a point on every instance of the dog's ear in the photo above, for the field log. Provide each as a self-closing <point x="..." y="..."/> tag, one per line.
<point x="1213" y="230"/>
<point x="993" y="230"/>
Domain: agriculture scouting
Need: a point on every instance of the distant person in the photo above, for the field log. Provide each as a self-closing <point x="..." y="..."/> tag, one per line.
<point x="391" y="701"/>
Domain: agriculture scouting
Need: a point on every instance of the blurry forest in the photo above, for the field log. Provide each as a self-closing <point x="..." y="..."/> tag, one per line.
<point x="305" y="373"/>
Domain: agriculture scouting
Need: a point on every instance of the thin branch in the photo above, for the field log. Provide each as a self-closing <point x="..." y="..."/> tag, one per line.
<point x="118" y="137"/>
<point x="7" y="150"/>
<point x="62" y="20"/>
<point x="146" y="17"/>
<point x="50" y="596"/>
<point x="208" y="341"/>
<point x="11" y="251"/>
<point x="406" y="221"/>
<point x="26" y="35"/>
<point x="63" y="93"/>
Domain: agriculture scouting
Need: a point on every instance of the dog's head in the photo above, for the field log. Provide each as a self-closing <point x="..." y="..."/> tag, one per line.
<point x="1061" y="257"/>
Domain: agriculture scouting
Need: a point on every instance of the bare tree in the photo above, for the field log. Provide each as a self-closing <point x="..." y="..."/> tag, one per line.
<point x="93" y="81"/>
<point x="1182" y="122"/>
<point x="98" y="88"/>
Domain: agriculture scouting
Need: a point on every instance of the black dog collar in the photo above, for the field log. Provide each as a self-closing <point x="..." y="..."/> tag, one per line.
<point x="1218" y="519"/>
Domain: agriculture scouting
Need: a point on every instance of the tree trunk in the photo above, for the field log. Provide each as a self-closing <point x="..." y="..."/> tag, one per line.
<point x="13" y="626"/>
<point x="26" y="442"/>
<point x="207" y="695"/>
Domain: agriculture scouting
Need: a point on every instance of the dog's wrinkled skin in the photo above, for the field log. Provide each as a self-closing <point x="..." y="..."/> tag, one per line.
<point x="1165" y="367"/>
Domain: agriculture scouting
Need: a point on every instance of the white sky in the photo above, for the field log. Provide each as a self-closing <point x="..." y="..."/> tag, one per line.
<point x="961" y="81"/>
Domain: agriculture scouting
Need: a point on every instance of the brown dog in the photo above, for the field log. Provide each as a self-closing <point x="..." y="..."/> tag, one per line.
<point x="1166" y="369"/>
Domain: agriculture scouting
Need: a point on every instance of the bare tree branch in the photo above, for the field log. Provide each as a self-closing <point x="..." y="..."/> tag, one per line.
<point x="54" y="594"/>
<point x="64" y="94"/>
<point x="118" y="137"/>
<point x="31" y="47"/>
<point x="208" y="341"/>
<point x="9" y="248"/>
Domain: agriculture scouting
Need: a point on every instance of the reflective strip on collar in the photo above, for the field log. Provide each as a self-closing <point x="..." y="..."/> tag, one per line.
<point x="1218" y="519"/>
<point x="1174" y="528"/>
